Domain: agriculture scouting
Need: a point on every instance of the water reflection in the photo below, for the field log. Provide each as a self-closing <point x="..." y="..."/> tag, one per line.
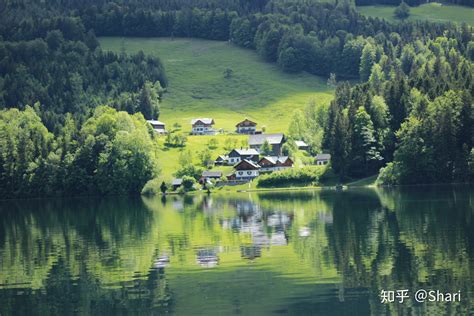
<point x="300" y="253"/>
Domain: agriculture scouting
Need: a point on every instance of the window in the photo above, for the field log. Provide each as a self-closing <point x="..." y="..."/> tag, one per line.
<point x="241" y="173"/>
<point x="249" y="172"/>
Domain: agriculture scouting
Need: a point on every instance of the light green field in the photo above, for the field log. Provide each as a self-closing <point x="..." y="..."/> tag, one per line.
<point x="435" y="12"/>
<point x="197" y="87"/>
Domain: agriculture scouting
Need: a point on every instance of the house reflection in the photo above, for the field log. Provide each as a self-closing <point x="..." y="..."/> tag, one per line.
<point x="207" y="258"/>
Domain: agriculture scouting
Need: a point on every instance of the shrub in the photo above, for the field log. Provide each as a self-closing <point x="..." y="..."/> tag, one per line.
<point x="292" y="177"/>
<point x="188" y="183"/>
<point x="389" y="175"/>
<point x="152" y="187"/>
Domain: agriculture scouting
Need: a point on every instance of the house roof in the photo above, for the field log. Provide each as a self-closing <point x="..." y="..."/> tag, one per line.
<point x="248" y="162"/>
<point x="323" y="157"/>
<point x="155" y="122"/>
<point x="205" y="120"/>
<point x="211" y="174"/>
<point x="300" y="143"/>
<point x="177" y="181"/>
<point x="276" y="159"/>
<point x="223" y="157"/>
<point x="246" y="122"/>
<point x="259" y="139"/>
<point x="246" y="152"/>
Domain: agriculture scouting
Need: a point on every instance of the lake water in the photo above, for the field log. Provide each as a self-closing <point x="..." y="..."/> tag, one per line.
<point x="321" y="252"/>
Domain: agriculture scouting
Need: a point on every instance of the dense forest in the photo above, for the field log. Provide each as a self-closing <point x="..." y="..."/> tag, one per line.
<point x="413" y="2"/>
<point x="411" y="110"/>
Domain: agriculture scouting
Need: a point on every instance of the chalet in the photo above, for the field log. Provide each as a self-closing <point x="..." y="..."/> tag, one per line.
<point x="275" y="140"/>
<point x="246" y="170"/>
<point x="221" y="160"/>
<point x="237" y="155"/>
<point x="176" y="183"/>
<point x="275" y="163"/>
<point x="246" y="127"/>
<point x="301" y="145"/>
<point x="210" y="175"/>
<point x="322" y="159"/>
<point x="203" y="126"/>
<point x="158" y="126"/>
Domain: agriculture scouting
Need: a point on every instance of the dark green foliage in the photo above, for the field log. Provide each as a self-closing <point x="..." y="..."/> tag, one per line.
<point x="112" y="153"/>
<point x="402" y="12"/>
<point x="292" y="177"/>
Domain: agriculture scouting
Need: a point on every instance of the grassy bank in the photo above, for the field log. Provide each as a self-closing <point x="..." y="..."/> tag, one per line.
<point x="434" y="12"/>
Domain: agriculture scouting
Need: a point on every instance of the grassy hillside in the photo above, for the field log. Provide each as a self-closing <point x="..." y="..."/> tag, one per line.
<point x="435" y="12"/>
<point x="197" y="87"/>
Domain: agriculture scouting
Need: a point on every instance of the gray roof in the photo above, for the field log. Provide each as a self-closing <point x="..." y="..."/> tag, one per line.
<point x="275" y="159"/>
<point x="205" y="120"/>
<point x="178" y="181"/>
<point x="300" y="143"/>
<point x="259" y="139"/>
<point x="247" y="152"/>
<point x="210" y="174"/>
<point x="253" y="164"/>
<point x="155" y="122"/>
<point x="323" y="157"/>
<point x="222" y="157"/>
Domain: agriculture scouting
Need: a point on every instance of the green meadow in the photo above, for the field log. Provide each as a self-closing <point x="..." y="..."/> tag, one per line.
<point x="198" y="88"/>
<point x="435" y="12"/>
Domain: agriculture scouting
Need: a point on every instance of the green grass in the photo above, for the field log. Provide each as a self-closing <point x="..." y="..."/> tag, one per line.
<point x="434" y="12"/>
<point x="197" y="88"/>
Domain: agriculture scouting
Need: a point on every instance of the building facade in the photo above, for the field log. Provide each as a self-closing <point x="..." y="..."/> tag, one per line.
<point x="246" y="127"/>
<point x="203" y="126"/>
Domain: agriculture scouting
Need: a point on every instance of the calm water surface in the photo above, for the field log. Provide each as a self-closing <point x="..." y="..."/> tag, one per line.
<point x="268" y="253"/>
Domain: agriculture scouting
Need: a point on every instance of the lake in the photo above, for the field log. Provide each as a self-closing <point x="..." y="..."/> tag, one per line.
<point x="311" y="252"/>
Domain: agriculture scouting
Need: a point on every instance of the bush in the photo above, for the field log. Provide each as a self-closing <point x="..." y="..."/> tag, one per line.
<point x="389" y="175"/>
<point x="152" y="187"/>
<point x="188" y="183"/>
<point x="292" y="177"/>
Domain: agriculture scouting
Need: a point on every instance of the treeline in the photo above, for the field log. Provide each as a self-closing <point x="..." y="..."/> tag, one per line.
<point x="412" y="3"/>
<point x="56" y="62"/>
<point x="320" y="38"/>
<point x="416" y="109"/>
<point x="112" y="153"/>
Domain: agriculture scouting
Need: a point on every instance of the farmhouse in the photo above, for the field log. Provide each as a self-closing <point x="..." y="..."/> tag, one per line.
<point x="237" y="155"/>
<point x="210" y="175"/>
<point x="202" y="126"/>
<point x="322" y="159"/>
<point x="158" y="126"/>
<point x="246" y="170"/>
<point x="221" y="160"/>
<point x="275" y="163"/>
<point x="246" y="127"/>
<point x="176" y="183"/>
<point x="301" y="145"/>
<point x="275" y="140"/>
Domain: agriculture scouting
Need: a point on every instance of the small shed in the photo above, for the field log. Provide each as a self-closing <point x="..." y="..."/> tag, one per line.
<point x="301" y="145"/>
<point x="176" y="183"/>
<point x="322" y="159"/>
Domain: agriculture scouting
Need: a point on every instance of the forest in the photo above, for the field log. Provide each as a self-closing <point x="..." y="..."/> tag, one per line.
<point x="407" y="106"/>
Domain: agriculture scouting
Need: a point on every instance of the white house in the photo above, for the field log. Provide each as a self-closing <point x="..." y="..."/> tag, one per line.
<point x="275" y="163"/>
<point x="237" y="155"/>
<point x="246" y="127"/>
<point x="158" y="126"/>
<point x="203" y="126"/>
<point x="322" y="159"/>
<point x="246" y="170"/>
